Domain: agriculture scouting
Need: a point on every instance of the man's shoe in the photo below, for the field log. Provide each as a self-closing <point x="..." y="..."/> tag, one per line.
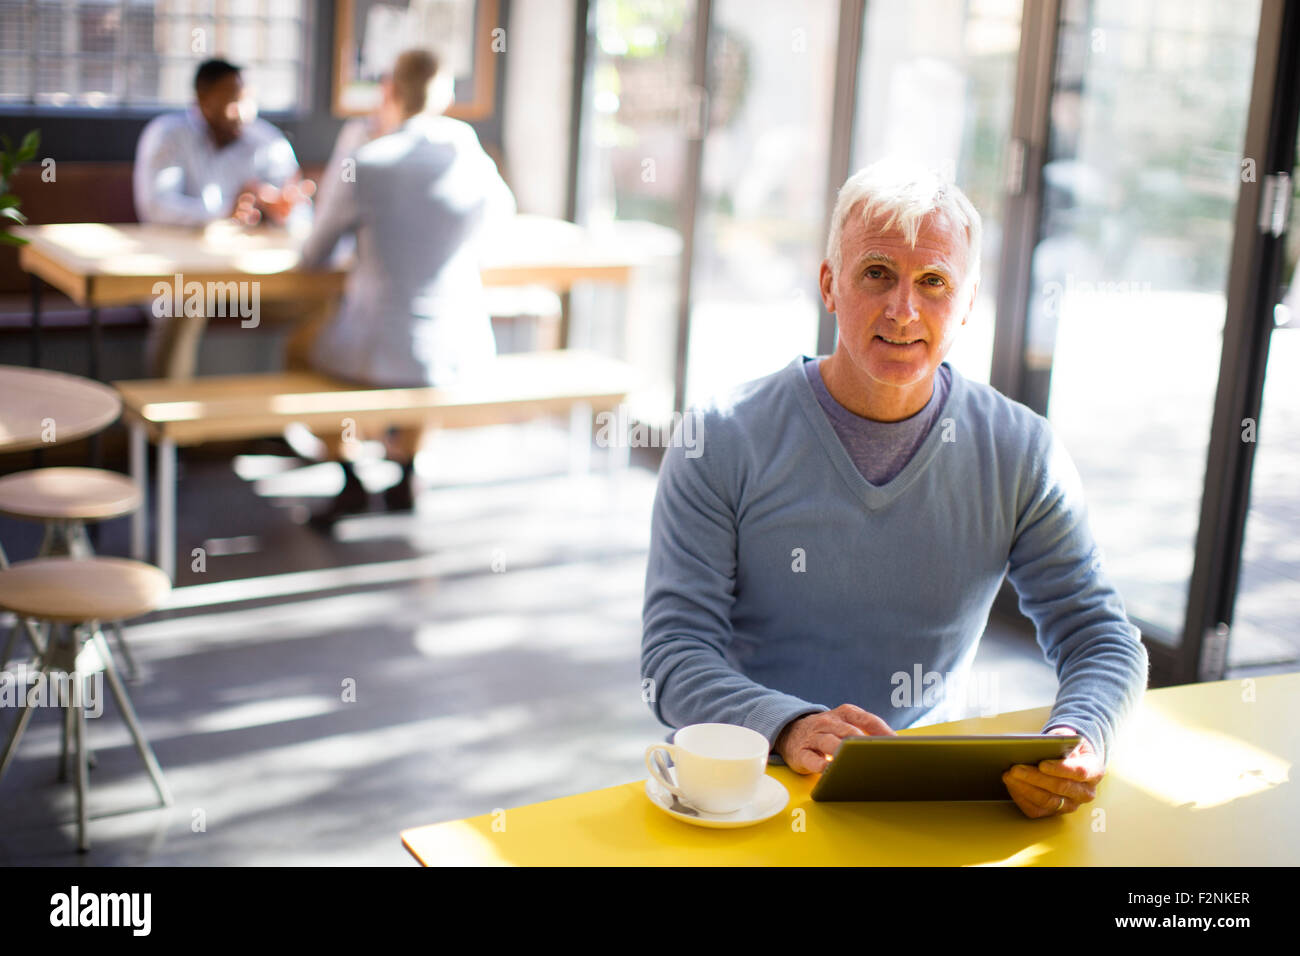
<point x="352" y="500"/>
<point x="401" y="497"/>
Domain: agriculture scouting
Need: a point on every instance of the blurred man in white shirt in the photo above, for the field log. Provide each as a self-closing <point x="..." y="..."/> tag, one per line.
<point x="216" y="160"/>
<point x="194" y="167"/>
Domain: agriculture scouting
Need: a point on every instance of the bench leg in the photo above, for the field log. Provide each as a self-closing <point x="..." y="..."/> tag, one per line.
<point x="580" y="422"/>
<point x="140" y="475"/>
<point x="166" y="522"/>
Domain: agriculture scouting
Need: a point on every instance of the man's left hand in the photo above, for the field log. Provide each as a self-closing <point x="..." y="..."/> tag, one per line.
<point x="262" y="201"/>
<point x="1056" y="786"/>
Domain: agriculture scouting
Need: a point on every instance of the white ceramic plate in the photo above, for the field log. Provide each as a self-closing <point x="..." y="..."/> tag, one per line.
<point x="770" y="799"/>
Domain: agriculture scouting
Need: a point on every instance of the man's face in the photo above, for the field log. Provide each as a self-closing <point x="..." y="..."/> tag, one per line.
<point x="888" y="292"/>
<point x="222" y="106"/>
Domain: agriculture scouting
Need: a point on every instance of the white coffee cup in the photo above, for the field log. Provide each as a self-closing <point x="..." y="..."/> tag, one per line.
<point x="718" y="766"/>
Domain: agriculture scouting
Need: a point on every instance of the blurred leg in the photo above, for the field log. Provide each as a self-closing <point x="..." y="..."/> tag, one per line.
<point x="312" y="318"/>
<point x="403" y="445"/>
<point x="173" y="345"/>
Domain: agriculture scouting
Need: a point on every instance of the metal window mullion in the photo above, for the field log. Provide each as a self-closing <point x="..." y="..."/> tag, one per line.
<point x="33" y="35"/>
<point x="1026" y="151"/>
<point x="847" y="55"/>
<point x="306" y="62"/>
<point x="71" y="50"/>
<point x="691" y="201"/>
<point x="1030" y="131"/>
<point x="121" y="64"/>
<point x="1247" y="330"/>
<point x="581" y="77"/>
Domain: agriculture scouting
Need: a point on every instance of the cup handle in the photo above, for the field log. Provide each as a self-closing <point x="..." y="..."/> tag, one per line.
<point x="658" y="767"/>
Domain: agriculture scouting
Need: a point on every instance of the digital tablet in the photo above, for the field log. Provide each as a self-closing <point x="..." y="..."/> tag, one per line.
<point x="933" y="768"/>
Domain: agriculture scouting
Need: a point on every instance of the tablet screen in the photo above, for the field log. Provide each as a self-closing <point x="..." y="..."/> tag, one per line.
<point x="933" y="768"/>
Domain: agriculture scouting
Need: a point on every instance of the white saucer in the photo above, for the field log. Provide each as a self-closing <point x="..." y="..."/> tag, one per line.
<point x="770" y="799"/>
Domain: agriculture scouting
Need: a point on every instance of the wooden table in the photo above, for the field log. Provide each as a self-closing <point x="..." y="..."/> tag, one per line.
<point x="98" y="264"/>
<point x="1202" y="776"/>
<point x="71" y="406"/>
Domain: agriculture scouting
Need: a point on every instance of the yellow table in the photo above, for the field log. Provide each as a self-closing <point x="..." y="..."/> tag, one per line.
<point x="1201" y="776"/>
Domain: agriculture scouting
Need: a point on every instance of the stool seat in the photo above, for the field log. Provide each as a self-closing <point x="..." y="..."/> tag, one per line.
<point x="84" y="494"/>
<point x="74" y="590"/>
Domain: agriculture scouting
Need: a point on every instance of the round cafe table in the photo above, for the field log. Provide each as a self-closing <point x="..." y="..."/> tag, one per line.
<point x="31" y="397"/>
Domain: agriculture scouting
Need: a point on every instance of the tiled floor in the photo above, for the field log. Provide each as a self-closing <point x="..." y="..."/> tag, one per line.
<point x="492" y="641"/>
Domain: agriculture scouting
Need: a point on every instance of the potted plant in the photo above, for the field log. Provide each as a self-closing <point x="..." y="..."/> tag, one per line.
<point x="11" y="159"/>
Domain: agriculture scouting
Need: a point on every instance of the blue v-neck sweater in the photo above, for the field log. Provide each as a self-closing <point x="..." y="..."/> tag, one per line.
<point x="780" y="582"/>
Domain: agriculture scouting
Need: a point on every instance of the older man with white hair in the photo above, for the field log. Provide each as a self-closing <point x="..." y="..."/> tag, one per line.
<point x="851" y="518"/>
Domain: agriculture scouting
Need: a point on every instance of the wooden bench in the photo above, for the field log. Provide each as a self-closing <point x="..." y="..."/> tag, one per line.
<point x="514" y="388"/>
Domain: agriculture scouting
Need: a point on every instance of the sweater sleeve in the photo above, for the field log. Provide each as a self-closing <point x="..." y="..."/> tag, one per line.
<point x="690" y="590"/>
<point x="1083" y="630"/>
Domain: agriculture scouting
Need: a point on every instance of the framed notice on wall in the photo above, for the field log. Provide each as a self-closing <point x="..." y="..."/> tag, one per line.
<point x="369" y="34"/>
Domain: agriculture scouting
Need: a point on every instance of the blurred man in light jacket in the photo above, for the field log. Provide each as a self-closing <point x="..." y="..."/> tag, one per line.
<point x="414" y="311"/>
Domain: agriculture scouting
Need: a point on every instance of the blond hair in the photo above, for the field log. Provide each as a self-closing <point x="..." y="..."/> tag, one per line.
<point x="413" y="73"/>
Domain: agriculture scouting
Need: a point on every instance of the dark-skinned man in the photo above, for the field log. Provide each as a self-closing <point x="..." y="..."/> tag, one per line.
<point x="214" y="161"/>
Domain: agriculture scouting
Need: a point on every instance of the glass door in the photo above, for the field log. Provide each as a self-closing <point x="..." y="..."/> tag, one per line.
<point x="761" y="213"/>
<point x="637" y="98"/>
<point x="1266" y="615"/>
<point x="1130" y="274"/>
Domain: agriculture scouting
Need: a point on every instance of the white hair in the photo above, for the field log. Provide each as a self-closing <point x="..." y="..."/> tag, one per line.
<point x="904" y="194"/>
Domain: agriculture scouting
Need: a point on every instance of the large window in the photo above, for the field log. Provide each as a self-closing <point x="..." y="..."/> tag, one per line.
<point x="631" y="175"/>
<point x="936" y="86"/>
<point x="1130" y="273"/>
<point x="142" y="53"/>
<point x="760" y="232"/>
<point x="1106" y="144"/>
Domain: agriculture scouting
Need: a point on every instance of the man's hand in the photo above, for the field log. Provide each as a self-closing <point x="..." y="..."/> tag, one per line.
<point x="808" y="743"/>
<point x="257" y="201"/>
<point x="1056" y="786"/>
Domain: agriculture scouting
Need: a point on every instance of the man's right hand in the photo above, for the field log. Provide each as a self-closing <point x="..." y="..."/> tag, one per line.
<point x="807" y="743"/>
<point x="257" y="201"/>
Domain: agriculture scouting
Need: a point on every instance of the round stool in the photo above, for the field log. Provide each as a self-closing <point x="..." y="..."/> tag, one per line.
<point x="74" y="595"/>
<point x="68" y="494"/>
<point x="64" y="499"/>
